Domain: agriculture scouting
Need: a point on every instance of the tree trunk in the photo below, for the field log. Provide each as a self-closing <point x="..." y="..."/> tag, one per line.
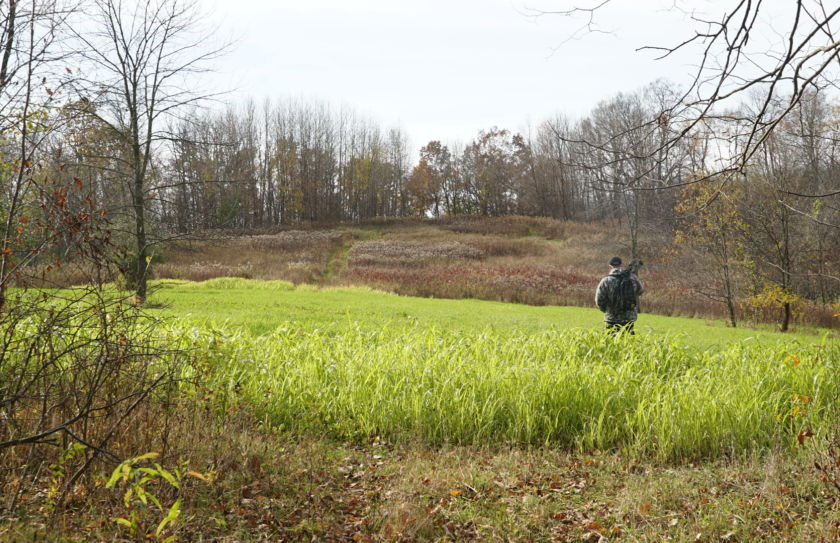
<point x="9" y="46"/>
<point x="140" y="233"/>
<point x="786" y="317"/>
<point x="730" y="296"/>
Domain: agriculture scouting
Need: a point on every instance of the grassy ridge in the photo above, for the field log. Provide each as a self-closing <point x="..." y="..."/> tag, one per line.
<point x="477" y="379"/>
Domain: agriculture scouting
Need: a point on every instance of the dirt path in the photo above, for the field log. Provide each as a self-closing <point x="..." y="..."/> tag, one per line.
<point x="336" y="262"/>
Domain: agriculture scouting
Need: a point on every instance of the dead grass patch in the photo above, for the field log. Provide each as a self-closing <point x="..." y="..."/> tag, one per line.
<point x="270" y="486"/>
<point x="294" y="240"/>
<point x="397" y="253"/>
<point x="496" y="247"/>
<point x="511" y="225"/>
<point x="299" y="256"/>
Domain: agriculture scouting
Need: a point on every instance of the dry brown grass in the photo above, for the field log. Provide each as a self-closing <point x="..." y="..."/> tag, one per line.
<point x="299" y="256"/>
<point x="507" y="226"/>
<point x="410" y="253"/>
<point x="270" y="486"/>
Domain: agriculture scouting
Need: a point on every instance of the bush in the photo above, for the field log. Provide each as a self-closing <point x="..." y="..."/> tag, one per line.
<point x="75" y="367"/>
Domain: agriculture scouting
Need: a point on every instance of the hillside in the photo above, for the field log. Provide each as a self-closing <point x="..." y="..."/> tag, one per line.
<point x="535" y="261"/>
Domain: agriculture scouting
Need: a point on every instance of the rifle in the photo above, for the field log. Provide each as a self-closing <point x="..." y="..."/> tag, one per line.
<point x="635" y="266"/>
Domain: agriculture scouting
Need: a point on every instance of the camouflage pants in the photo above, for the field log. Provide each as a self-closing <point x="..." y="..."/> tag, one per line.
<point x="616" y="327"/>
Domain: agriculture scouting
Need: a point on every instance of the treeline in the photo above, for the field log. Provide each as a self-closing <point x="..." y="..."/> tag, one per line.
<point x="259" y="166"/>
<point x="280" y="163"/>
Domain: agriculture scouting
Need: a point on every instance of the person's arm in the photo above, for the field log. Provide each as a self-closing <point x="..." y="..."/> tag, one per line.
<point x="601" y="295"/>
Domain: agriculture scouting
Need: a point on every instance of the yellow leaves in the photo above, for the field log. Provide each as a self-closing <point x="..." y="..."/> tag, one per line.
<point x="455" y="492"/>
<point x="124" y="522"/>
<point x="198" y="475"/>
<point x="797" y="409"/>
<point x="798" y="402"/>
<point x="771" y="296"/>
<point x="794" y="360"/>
<point x="147" y="456"/>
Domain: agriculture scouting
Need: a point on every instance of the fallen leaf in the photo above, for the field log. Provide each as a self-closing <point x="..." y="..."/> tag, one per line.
<point x="197" y="475"/>
<point x="804" y="434"/>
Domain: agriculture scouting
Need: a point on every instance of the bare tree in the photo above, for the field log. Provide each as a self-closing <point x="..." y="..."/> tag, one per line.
<point x="28" y="87"/>
<point x="741" y="54"/>
<point x="143" y="58"/>
<point x="76" y="364"/>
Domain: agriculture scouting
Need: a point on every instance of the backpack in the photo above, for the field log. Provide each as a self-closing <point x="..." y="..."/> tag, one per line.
<point x="624" y="295"/>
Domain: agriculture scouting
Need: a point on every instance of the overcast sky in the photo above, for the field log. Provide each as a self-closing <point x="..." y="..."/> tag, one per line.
<point x="444" y="69"/>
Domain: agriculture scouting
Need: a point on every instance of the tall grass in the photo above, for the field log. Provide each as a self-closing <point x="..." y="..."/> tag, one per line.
<point x="575" y="389"/>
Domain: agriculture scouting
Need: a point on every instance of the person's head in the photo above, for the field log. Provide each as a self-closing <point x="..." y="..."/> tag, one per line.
<point x="615" y="262"/>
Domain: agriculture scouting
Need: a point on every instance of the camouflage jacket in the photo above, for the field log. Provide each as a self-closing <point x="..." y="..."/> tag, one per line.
<point x="605" y="293"/>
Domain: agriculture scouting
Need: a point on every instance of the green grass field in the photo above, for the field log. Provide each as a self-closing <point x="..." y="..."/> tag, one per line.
<point x="262" y="306"/>
<point x="358" y="364"/>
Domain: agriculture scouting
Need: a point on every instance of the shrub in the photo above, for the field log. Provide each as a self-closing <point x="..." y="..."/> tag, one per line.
<point x="76" y="366"/>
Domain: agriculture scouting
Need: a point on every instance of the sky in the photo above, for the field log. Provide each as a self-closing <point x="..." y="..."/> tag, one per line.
<point x="445" y="69"/>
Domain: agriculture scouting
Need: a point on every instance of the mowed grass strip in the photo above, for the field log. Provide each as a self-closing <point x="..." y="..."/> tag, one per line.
<point x="478" y="378"/>
<point x="261" y="306"/>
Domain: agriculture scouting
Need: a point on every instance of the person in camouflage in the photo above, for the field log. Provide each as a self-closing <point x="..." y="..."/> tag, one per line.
<point x="605" y="298"/>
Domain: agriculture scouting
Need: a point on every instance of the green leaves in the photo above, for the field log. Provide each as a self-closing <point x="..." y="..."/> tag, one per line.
<point x="171" y="516"/>
<point x="139" y="481"/>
